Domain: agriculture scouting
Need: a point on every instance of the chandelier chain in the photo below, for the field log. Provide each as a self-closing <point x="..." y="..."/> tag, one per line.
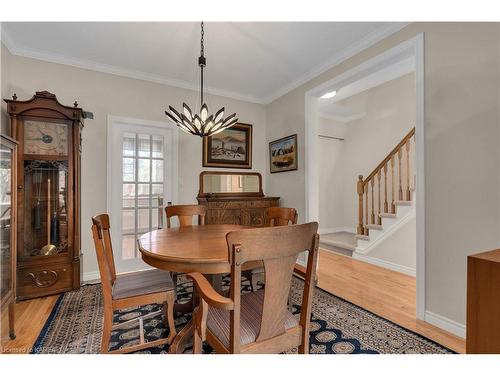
<point x="202" y="40"/>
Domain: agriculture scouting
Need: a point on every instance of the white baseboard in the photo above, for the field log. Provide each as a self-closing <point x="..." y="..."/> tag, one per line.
<point x="383" y="263"/>
<point x="91" y="276"/>
<point x="336" y="229"/>
<point x="445" y="323"/>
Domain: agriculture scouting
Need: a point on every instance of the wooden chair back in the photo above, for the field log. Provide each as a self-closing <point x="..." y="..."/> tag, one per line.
<point x="185" y="213"/>
<point x="279" y="216"/>
<point x="104" y="252"/>
<point x="278" y="249"/>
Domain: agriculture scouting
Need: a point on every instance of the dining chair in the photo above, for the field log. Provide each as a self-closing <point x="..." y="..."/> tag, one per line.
<point x="278" y="216"/>
<point x="130" y="290"/>
<point x="259" y="322"/>
<point x="184" y="214"/>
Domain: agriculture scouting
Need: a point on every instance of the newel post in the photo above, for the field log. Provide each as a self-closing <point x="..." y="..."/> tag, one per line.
<point x="360" y="229"/>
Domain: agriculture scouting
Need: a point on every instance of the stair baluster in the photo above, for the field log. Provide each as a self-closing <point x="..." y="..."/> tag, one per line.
<point x="361" y="190"/>
<point x="393" y="186"/>
<point x="408" y="190"/>
<point x="385" y="189"/>
<point x="400" y="176"/>
<point x="373" y="201"/>
<point x="379" y="219"/>
<point x="366" y="209"/>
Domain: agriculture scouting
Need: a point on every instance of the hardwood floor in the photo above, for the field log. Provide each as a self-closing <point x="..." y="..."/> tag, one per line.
<point x="386" y="293"/>
<point x="389" y="294"/>
<point x="30" y="315"/>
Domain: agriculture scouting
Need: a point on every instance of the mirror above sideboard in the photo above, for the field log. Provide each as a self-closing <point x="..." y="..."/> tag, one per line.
<point x="235" y="198"/>
<point x="228" y="184"/>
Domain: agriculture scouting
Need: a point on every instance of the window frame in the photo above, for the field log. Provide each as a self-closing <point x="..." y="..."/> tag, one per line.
<point x="116" y="129"/>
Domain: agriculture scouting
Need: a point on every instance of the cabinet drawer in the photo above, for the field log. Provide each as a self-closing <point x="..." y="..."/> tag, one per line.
<point x="43" y="280"/>
<point x="218" y="216"/>
<point x="227" y="204"/>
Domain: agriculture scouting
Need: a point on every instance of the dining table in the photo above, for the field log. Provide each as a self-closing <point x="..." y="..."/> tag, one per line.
<point x="197" y="248"/>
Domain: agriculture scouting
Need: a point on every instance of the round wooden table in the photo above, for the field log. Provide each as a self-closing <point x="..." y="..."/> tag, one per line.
<point x="188" y="249"/>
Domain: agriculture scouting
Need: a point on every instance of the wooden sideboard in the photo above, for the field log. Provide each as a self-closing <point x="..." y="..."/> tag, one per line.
<point x="483" y="303"/>
<point x="238" y="210"/>
<point x="235" y="198"/>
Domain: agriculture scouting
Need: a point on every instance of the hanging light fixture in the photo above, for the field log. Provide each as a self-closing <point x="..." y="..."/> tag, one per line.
<point x="202" y="125"/>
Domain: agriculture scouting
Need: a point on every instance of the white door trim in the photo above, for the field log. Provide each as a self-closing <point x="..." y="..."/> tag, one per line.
<point x="171" y="167"/>
<point x="414" y="46"/>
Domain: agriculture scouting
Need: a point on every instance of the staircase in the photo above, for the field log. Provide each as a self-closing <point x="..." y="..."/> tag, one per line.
<point x="385" y="204"/>
<point x="386" y="197"/>
<point x="395" y="190"/>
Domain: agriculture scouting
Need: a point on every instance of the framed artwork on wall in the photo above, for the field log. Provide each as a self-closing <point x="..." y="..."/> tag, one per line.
<point x="283" y="154"/>
<point x="231" y="148"/>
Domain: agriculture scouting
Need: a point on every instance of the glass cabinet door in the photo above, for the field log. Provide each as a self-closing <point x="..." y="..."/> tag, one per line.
<point x="5" y="219"/>
<point x="45" y="207"/>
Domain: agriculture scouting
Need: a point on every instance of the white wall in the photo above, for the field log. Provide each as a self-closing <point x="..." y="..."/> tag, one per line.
<point x="331" y="185"/>
<point x="106" y="94"/>
<point x="462" y="161"/>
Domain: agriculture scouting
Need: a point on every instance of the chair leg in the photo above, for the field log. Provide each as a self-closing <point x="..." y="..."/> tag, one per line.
<point x="169" y="316"/>
<point x="304" y="346"/>
<point x="197" y="343"/>
<point x="106" y="330"/>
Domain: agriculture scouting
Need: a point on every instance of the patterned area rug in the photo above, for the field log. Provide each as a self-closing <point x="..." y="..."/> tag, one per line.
<point x="337" y="326"/>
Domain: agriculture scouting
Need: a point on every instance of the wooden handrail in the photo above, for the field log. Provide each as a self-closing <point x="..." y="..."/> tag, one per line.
<point x="390" y="155"/>
<point x="366" y="187"/>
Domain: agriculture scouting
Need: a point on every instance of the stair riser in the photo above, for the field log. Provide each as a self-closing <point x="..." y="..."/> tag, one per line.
<point x="387" y="222"/>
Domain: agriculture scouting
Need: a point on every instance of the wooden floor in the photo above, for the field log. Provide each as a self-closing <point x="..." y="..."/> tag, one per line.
<point x="389" y="294"/>
<point x="384" y="292"/>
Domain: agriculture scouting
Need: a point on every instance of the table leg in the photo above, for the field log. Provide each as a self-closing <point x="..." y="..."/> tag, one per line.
<point x="186" y="333"/>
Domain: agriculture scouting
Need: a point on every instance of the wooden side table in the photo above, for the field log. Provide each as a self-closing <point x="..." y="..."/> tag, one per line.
<point x="483" y="302"/>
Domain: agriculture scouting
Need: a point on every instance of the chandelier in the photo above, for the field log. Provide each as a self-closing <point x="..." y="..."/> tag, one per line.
<point x="202" y="125"/>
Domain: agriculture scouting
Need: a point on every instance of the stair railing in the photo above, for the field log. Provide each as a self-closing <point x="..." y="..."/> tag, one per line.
<point x="390" y="181"/>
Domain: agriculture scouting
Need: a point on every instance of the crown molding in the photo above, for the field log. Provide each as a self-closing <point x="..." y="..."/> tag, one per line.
<point x="338" y="58"/>
<point x="18" y="50"/>
<point x="371" y="39"/>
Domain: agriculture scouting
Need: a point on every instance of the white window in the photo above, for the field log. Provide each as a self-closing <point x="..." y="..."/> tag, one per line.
<point x="142" y="176"/>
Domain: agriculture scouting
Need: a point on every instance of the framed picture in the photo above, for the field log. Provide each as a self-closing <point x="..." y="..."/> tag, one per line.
<point x="283" y="154"/>
<point x="231" y="148"/>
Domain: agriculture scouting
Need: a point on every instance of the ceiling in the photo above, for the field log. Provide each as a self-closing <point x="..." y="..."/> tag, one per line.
<point x="338" y="109"/>
<point x="252" y="61"/>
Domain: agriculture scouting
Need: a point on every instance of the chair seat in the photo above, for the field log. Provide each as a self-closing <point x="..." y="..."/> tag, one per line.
<point x="141" y="283"/>
<point x="251" y="310"/>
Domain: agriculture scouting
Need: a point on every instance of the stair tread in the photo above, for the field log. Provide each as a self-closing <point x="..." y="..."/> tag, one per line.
<point x="362" y="237"/>
<point x="341" y="244"/>
<point x="374" y="226"/>
<point x="389" y="215"/>
<point x="403" y="203"/>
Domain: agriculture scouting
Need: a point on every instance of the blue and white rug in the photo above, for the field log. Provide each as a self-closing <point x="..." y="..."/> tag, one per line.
<point x="337" y="326"/>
